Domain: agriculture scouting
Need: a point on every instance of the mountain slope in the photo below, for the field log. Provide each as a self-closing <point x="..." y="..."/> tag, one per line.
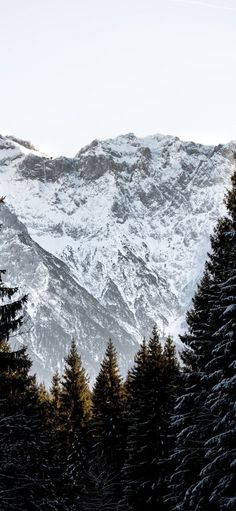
<point x="59" y="309"/>
<point x="130" y="220"/>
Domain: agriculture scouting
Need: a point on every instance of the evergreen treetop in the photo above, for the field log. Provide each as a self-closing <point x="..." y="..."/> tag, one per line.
<point x="108" y="407"/>
<point x="75" y="399"/>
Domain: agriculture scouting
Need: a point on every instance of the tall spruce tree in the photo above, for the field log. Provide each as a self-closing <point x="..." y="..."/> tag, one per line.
<point x="204" y="473"/>
<point x="75" y="413"/>
<point x="24" y="447"/>
<point x="59" y="452"/>
<point x="10" y="365"/>
<point x="75" y="399"/>
<point x="107" y="435"/>
<point x="25" y="480"/>
<point x="132" y="472"/>
<point x="149" y="407"/>
<point x="107" y="409"/>
<point x="170" y="389"/>
<point x="217" y="480"/>
<point x="189" y="422"/>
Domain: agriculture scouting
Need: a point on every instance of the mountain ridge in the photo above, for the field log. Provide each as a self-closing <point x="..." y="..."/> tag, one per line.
<point x="129" y="217"/>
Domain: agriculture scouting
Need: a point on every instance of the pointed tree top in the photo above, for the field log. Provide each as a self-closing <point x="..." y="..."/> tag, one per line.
<point x="110" y="347"/>
<point x="154" y="340"/>
<point x="56" y="381"/>
<point x="109" y="373"/>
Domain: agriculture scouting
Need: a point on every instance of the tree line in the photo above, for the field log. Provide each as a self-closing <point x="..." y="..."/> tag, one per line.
<point x="163" y="439"/>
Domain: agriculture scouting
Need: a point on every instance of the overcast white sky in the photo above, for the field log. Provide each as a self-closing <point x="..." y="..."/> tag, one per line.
<point x="75" y="70"/>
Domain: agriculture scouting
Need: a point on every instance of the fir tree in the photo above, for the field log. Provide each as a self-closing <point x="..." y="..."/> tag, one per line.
<point x="150" y="389"/>
<point x="217" y="480"/>
<point x="24" y="448"/>
<point x="189" y="422"/>
<point x="107" y="409"/>
<point x="107" y="434"/>
<point x="25" y="480"/>
<point x="75" y="400"/>
<point x="205" y="421"/>
<point x="136" y="409"/>
<point x="170" y="389"/>
<point x="75" y="413"/>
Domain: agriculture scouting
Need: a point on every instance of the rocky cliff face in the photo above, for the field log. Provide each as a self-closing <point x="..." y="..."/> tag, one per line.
<point x="111" y="241"/>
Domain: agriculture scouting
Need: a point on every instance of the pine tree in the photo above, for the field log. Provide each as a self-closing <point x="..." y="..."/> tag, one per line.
<point x="107" y="434"/>
<point x="170" y="389"/>
<point x="25" y="481"/>
<point x="75" y="414"/>
<point x="150" y="389"/>
<point x="75" y="400"/>
<point x="205" y="449"/>
<point x="132" y="473"/>
<point x="189" y="422"/>
<point x="11" y="364"/>
<point x="107" y="409"/>
<point x="15" y="404"/>
<point x="24" y="443"/>
<point x="217" y="479"/>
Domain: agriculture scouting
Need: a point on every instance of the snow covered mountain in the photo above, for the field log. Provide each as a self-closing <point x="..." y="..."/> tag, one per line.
<point x="109" y="242"/>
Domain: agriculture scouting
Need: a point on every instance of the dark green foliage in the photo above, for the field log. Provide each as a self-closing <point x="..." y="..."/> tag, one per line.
<point x="23" y="450"/>
<point x="24" y="444"/>
<point x="136" y="456"/>
<point x="25" y="480"/>
<point x="164" y="440"/>
<point x="205" y="425"/>
<point x="108" y="409"/>
<point x="190" y="419"/>
<point x="74" y="407"/>
<point x="107" y="435"/>
<point x="75" y="400"/>
<point x="218" y="478"/>
<point x="150" y="393"/>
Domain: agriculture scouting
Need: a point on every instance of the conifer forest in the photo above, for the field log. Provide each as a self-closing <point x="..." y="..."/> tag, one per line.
<point x="163" y="439"/>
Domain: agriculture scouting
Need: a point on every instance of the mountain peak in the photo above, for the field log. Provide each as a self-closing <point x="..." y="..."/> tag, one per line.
<point x="128" y="220"/>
